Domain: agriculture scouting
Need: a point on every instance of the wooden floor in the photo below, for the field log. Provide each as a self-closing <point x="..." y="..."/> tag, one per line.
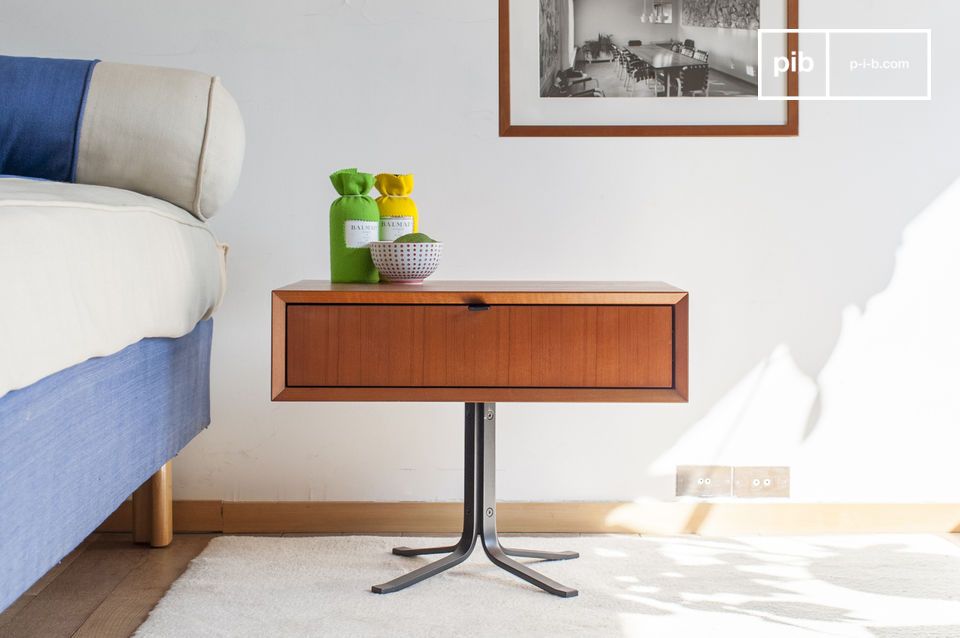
<point x="104" y="588"/>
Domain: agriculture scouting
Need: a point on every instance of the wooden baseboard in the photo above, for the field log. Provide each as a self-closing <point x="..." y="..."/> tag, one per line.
<point x="188" y="517"/>
<point x="706" y="518"/>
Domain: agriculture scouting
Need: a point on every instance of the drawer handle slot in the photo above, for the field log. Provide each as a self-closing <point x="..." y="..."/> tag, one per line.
<point x="478" y="307"/>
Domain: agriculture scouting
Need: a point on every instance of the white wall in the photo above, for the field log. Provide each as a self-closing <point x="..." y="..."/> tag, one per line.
<point x="620" y="18"/>
<point x="782" y="243"/>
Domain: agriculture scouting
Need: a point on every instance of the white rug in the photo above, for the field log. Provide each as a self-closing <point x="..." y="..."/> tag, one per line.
<point x="882" y="585"/>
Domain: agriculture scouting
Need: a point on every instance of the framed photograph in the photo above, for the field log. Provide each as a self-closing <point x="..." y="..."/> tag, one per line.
<point x="592" y="68"/>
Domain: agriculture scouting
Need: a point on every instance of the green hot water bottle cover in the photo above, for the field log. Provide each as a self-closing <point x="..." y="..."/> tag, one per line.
<point x="354" y="223"/>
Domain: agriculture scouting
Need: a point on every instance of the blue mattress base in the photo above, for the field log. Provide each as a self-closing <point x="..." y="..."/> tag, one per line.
<point x="74" y="445"/>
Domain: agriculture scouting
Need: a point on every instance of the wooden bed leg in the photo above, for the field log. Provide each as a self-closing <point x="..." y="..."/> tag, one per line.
<point x="142" y="513"/>
<point x="161" y="488"/>
<point x="153" y="509"/>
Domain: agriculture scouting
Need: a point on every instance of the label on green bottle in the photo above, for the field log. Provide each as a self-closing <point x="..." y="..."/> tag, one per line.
<point x="393" y="227"/>
<point x="358" y="233"/>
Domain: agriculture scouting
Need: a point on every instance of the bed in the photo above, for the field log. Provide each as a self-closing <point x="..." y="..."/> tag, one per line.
<point x="109" y="278"/>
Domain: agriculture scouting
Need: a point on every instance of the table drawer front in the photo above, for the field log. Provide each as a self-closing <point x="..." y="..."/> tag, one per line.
<point x="500" y="347"/>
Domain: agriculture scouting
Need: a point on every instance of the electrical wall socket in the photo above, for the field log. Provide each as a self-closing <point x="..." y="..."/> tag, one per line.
<point x="759" y="482"/>
<point x="704" y="480"/>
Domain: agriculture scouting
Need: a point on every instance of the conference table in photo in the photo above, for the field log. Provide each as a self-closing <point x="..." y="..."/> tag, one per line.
<point x="664" y="60"/>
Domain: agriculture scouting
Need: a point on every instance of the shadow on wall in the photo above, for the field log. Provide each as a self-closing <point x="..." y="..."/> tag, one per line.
<point x="888" y="389"/>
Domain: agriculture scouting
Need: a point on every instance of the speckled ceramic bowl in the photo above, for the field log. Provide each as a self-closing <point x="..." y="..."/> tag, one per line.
<point x="408" y="263"/>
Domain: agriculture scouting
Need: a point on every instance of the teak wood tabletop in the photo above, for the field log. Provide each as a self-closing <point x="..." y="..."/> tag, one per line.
<point x="493" y="292"/>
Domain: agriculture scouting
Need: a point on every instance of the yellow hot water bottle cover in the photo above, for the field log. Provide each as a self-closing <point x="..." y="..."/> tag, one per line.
<point x="398" y="213"/>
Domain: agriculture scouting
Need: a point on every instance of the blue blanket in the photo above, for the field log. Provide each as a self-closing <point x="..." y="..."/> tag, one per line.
<point x="41" y="108"/>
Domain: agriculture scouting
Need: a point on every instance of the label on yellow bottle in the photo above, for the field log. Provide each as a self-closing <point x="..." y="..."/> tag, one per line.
<point x="394" y="227"/>
<point x="358" y="233"/>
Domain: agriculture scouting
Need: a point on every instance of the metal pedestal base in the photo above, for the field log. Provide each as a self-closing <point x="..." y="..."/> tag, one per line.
<point x="479" y="516"/>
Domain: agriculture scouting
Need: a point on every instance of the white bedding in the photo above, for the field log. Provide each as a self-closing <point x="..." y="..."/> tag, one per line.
<point x="87" y="270"/>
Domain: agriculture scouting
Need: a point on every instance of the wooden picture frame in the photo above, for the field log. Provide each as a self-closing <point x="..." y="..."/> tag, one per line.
<point x="790" y="127"/>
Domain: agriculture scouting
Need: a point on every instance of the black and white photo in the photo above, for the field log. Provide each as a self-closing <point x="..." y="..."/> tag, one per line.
<point x="647" y="67"/>
<point x="637" y="49"/>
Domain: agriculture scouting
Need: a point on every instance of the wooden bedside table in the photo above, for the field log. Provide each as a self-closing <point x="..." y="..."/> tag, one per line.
<point x="480" y="342"/>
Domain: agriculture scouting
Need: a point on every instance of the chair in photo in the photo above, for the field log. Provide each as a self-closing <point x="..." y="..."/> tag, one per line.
<point x="689" y="44"/>
<point x="619" y="59"/>
<point x="572" y="77"/>
<point x="629" y="65"/>
<point x="630" y="79"/>
<point x="702" y="56"/>
<point x="561" y="90"/>
<point x="625" y="59"/>
<point x="644" y="72"/>
<point x="573" y="83"/>
<point x="694" y="80"/>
